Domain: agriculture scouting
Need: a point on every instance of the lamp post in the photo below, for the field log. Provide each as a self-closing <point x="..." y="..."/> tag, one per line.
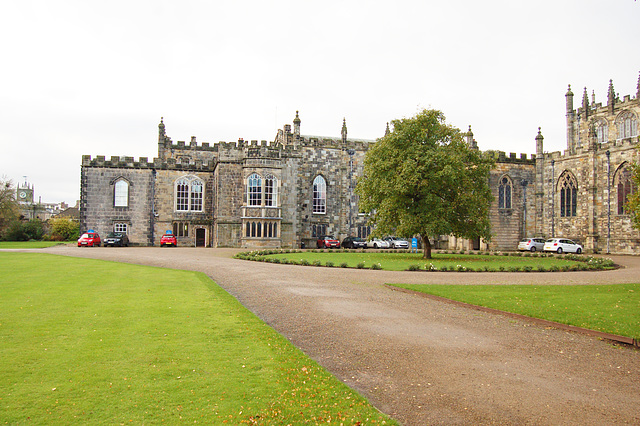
<point x="608" y="200"/>
<point x="553" y="198"/>
<point x="524" y="184"/>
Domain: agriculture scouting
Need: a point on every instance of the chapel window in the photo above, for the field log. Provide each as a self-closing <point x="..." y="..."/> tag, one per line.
<point x="568" y="195"/>
<point x="504" y="193"/>
<point x="602" y="131"/>
<point x="627" y="125"/>
<point x="121" y="193"/>
<point x="624" y="186"/>
<point x="319" y="195"/>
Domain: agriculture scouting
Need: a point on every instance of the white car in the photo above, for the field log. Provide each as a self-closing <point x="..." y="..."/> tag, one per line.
<point x="562" y="245"/>
<point x="531" y="244"/>
<point x="378" y="243"/>
<point x="397" y="243"/>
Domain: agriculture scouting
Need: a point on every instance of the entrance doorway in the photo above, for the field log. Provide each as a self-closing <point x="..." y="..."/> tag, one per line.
<point x="201" y="237"/>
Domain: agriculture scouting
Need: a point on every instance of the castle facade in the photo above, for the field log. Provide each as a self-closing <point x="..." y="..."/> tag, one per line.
<point x="289" y="191"/>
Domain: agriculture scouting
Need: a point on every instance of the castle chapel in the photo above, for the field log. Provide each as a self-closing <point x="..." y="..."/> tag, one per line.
<point x="289" y="191"/>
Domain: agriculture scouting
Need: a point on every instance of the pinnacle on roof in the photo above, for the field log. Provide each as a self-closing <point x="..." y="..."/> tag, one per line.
<point x="297" y="119"/>
<point x="569" y="92"/>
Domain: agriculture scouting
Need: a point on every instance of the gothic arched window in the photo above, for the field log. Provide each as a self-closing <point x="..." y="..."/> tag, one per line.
<point x="121" y="193"/>
<point x="189" y="194"/>
<point x="254" y="190"/>
<point x="319" y="195"/>
<point x="270" y="191"/>
<point x="627" y="125"/>
<point x="624" y="186"/>
<point x="504" y="193"/>
<point x="568" y="187"/>
<point x="602" y="131"/>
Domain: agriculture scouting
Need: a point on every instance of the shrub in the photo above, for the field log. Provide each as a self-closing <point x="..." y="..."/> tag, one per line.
<point x="541" y="268"/>
<point x="304" y="262"/>
<point x="376" y="266"/>
<point x="527" y="268"/>
<point x="317" y="263"/>
<point x="444" y="269"/>
<point x="360" y="265"/>
<point x="344" y="265"/>
<point x="414" y="267"/>
<point x="329" y="264"/>
<point x="501" y="268"/>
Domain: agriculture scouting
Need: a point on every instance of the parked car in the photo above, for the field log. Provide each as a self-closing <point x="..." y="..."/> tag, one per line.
<point x="531" y="244"/>
<point x="397" y="243"/>
<point x="168" y="239"/>
<point x="354" y="243"/>
<point x="114" y="239"/>
<point x="327" y="241"/>
<point x="378" y="243"/>
<point x="89" y="239"/>
<point x="562" y="245"/>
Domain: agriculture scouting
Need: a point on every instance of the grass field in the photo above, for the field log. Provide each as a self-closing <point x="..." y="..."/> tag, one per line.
<point x="403" y="261"/>
<point x="94" y="342"/>
<point x="28" y="244"/>
<point x="608" y="308"/>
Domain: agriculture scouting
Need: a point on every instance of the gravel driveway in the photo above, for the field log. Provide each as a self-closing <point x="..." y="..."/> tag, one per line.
<point x="423" y="361"/>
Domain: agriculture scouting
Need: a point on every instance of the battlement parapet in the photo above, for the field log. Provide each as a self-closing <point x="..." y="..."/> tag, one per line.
<point x="144" y="163"/>
<point x="501" y="157"/>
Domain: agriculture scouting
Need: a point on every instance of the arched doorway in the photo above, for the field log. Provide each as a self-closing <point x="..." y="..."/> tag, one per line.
<point x="201" y="237"/>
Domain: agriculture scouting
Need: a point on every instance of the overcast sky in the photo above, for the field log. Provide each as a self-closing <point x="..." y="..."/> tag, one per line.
<point x="88" y="77"/>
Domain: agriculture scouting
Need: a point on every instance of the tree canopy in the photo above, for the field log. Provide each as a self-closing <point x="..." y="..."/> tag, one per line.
<point x="9" y="210"/>
<point x="423" y="179"/>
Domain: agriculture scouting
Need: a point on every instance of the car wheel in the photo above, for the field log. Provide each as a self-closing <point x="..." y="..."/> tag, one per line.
<point x="533" y="248"/>
<point x="375" y="246"/>
<point x="559" y="250"/>
<point x="161" y="245"/>
<point x="579" y="250"/>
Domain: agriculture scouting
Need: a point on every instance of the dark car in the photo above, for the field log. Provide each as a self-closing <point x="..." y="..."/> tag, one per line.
<point x="168" y="239"/>
<point x="89" y="239"/>
<point x="354" y="243"/>
<point x="328" y="242"/>
<point x="118" y="239"/>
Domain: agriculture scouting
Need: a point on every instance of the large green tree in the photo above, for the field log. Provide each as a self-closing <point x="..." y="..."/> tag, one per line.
<point x="9" y="210"/>
<point x="423" y="179"/>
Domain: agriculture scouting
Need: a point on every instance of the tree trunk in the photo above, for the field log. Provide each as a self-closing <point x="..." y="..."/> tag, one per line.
<point x="427" y="247"/>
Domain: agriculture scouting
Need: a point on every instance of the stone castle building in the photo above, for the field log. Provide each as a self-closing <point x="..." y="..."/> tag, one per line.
<point x="287" y="192"/>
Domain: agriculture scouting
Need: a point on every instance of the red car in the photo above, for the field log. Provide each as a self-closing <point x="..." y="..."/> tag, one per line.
<point x="168" y="239"/>
<point x="89" y="239"/>
<point x="328" y="242"/>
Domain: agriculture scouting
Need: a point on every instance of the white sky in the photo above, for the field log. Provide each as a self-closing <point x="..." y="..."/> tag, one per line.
<point x="86" y="77"/>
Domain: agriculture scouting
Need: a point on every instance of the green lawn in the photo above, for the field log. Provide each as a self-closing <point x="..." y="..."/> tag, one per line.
<point x="608" y="308"/>
<point x="402" y="260"/>
<point x="28" y="244"/>
<point x="94" y="342"/>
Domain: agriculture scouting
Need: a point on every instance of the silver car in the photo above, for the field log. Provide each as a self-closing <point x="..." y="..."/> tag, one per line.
<point x="397" y="243"/>
<point x="531" y="244"/>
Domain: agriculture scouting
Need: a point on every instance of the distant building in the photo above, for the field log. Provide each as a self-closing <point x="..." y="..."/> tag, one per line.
<point x="288" y="192"/>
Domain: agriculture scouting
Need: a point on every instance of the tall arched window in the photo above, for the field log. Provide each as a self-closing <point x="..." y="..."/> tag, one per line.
<point x="189" y="194"/>
<point x="602" y="131"/>
<point x="121" y="193"/>
<point x="504" y="193"/>
<point x="270" y="191"/>
<point x="624" y="185"/>
<point x="254" y="190"/>
<point x="627" y="125"/>
<point x="319" y="195"/>
<point x="568" y="187"/>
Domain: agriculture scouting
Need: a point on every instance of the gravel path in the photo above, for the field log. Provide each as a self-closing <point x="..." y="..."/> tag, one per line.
<point x="423" y="361"/>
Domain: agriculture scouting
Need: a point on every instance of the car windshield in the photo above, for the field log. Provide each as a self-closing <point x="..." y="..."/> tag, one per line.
<point x="524" y="240"/>
<point x="329" y="237"/>
<point x="114" y="234"/>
